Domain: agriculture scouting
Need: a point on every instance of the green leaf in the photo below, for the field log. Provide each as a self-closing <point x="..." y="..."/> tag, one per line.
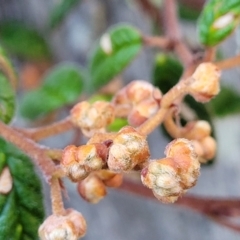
<point x="62" y="85"/>
<point x="188" y="13"/>
<point x="226" y="102"/>
<point x="166" y="73"/>
<point x="60" y="12"/>
<point x="218" y="20"/>
<point x="23" y="41"/>
<point x="117" y="124"/>
<point x="7" y="99"/>
<point x="115" y="51"/>
<point x="21" y="210"/>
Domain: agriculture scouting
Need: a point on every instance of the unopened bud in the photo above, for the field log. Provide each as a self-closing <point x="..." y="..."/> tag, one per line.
<point x="92" y="189"/>
<point x="142" y="111"/>
<point x="209" y="147"/>
<point x="70" y="226"/>
<point x="92" y="116"/>
<point x="78" y="162"/>
<point x="205" y="83"/>
<point x="109" y="178"/>
<point x="129" y="149"/>
<point x="197" y="130"/>
<point x="183" y="153"/>
<point x="162" y="177"/>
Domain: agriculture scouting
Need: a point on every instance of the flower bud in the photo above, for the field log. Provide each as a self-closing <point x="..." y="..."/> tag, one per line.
<point x="78" y="162"/>
<point x="92" y="116"/>
<point x="197" y="130"/>
<point x="70" y="226"/>
<point x="109" y="178"/>
<point x="206" y="82"/>
<point x="129" y="149"/>
<point x="92" y="189"/>
<point x="183" y="153"/>
<point x="209" y="147"/>
<point x="137" y="91"/>
<point x="142" y="112"/>
<point x="162" y="177"/>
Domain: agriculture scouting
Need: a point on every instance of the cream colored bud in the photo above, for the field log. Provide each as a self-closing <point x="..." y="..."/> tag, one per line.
<point x="92" y="189"/>
<point x="142" y="111"/>
<point x="197" y="130"/>
<point x="92" y="116"/>
<point x="129" y="149"/>
<point x="183" y="153"/>
<point x="6" y="181"/>
<point x="209" y="147"/>
<point x="205" y="83"/>
<point x="70" y="226"/>
<point x="162" y="177"/>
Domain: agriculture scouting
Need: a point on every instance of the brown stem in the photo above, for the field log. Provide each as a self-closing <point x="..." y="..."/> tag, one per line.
<point x="210" y="54"/>
<point x="151" y="10"/>
<point x="229" y="63"/>
<point x="40" y="133"/>
<point x="172" y="29"/>
<point x="7" y="69"/>
<point x="167" y="100"/>
<point x="56" y="197"/>
<point x="214" y="208"/>
<point x="155" y="41"/>
<point x="35" y="151"/>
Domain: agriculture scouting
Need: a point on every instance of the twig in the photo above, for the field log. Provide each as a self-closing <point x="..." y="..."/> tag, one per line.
<point x="229" y="63"/>
<point x="47" y="131"/>
<point x="35" y="151"/>
<point x="155" y="41"/>
<point x="173" y="32"/>
<point x="56" y="197"/>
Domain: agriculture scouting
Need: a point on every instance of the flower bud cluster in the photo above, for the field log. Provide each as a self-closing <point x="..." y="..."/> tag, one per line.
<point x="70" y="226"/>
<point x="78" y="162"/>
<point x="204" y="145"/>
<point x="205" y="84"/>
<point x="170" y="177"/>
<point x="93" y="188"/>
<point x="93" y="117"/>
<point x="139" y="100"/>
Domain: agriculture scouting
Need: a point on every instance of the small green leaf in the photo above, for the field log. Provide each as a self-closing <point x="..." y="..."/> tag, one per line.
<point x="115" y="50"/>
<point x="21" y="210"/>
<point x="62" y="85"/>
<point x="218" y="20"/>
<point x="166" y="73"/>
<point x="7" y="99"/>
<point x="60" y="12"/>
<point x="117" y="124"/>
<point x="23" y="41"/>
<point x="226" y="102"/>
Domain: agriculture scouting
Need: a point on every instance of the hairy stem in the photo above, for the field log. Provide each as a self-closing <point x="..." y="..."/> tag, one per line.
<point x="229" y="63"/>
<point x="35" y="151"/>
<point x="168" y="99"/>
<point x="40" y="133"/>
<point x="155" y="41"/>
<point x="56" y="197"/>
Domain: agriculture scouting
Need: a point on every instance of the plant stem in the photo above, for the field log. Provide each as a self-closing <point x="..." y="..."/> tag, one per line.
<point x="155" y="41"/>
<point x="35" y="151"/>
<point x="167" y="100"/>
<point x="7" y="69"/>
<point x="172" y="29"/>
<point x="229" y="63"/>
<point x="40" y="133"/>
<point x="214" y="208"/>
<point x="56" y="197"/>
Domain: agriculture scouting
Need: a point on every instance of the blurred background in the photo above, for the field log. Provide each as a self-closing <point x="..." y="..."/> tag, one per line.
<point x="38" y="34"/>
